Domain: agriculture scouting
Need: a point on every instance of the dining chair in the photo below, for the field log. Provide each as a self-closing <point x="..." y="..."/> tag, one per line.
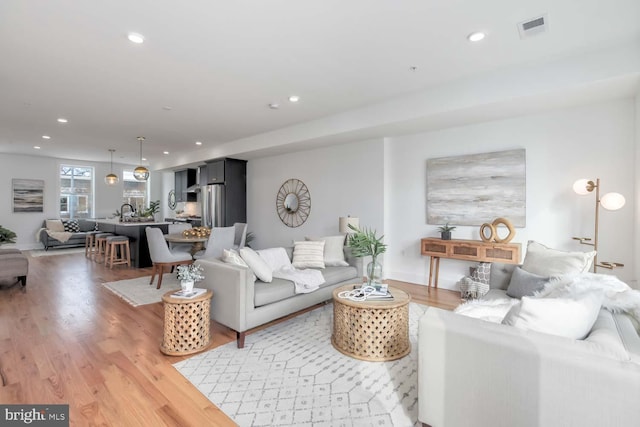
<point x="162" y="256"/>
<point x="177" y="229"/>
<point x="241" y="235"/>
<point x="219" y="239"/>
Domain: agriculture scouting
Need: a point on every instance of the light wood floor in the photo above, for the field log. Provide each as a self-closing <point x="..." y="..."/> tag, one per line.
<point x="68" y="340"/>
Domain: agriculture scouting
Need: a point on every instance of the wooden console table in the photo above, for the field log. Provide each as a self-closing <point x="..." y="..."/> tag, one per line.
<point x="467" y="250"/>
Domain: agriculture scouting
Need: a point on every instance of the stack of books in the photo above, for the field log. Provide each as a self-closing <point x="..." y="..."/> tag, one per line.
<point x="380" y="294"/>
<point x="191" y="294"/>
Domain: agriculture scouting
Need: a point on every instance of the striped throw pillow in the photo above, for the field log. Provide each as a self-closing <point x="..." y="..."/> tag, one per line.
<point x="308" y="254"/>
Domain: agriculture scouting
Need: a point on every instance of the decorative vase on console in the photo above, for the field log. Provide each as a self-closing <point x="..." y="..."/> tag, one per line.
<point x="365" y="243"/>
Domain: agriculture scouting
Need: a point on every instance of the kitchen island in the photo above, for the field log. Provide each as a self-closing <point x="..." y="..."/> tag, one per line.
<point x="135" y="231"/>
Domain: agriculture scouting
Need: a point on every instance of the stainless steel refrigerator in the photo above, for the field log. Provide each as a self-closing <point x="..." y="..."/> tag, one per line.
<point x="212" y="202"/>
<point x="223" y="192"/>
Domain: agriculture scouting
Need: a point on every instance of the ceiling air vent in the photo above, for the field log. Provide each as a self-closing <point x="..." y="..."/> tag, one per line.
<point x="533" y="26"/>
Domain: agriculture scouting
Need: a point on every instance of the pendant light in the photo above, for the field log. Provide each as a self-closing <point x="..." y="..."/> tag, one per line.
<point x="141" y="173"/>
<point x="112" y="178"/>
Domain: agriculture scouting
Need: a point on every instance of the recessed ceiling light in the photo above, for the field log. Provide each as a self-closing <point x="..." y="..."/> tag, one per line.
<point x="144" y="159"/>
<point x="46" y="137"/>
<point x="37" y="147"/>
<point x="294" y="98"/>
<point x="274" y="106"/>
<point x="62" y="120"/>
<point x="198" y="143"/>
<point x="135" y="38"/>
<point x="476" y="37"/>
<point x="165" y="152"/>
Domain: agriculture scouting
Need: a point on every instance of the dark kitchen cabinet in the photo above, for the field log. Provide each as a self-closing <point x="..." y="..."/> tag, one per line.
<point x="183" y="180"/>
<point x="215" y="171"/>
<point x="224" y="199"/>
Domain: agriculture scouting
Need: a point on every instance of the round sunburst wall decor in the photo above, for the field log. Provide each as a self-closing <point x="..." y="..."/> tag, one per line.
<point x="293" y="203"/>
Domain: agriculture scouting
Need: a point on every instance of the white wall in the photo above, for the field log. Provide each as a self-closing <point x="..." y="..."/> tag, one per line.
<point x="594" y="141"/>
<point x="342" y="180"/>
<point x="107" y="198"/>
<point x="637" y="181"/>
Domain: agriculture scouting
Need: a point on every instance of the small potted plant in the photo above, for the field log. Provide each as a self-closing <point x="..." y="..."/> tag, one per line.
<point x="445" y="231"/>
<point x="365" y="243"/>
<point x="188" y="275"/>
<point x="6" y="236"/>
<point x="154" y="208"/>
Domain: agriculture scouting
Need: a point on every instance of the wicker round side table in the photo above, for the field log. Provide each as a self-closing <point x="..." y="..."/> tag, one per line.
<point x="371" y="330"/>
<point x="186" y="324"/>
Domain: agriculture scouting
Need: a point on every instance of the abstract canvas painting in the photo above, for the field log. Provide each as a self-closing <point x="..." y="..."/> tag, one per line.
<point x="28" y="195"/>
<point x="478" y="188"/>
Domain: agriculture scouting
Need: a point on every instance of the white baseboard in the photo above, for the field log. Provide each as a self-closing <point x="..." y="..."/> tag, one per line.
<point x="25" y="246"/>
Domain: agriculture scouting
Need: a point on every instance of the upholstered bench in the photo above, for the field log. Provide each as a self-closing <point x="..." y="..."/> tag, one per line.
<point x="14" y="263"/>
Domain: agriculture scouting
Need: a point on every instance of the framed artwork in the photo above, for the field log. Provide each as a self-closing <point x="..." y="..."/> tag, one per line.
<point x="28" y="195"/>
<point x="477" y="188"/>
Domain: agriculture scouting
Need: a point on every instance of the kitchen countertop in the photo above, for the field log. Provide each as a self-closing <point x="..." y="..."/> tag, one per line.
<point x="130" y="224"/>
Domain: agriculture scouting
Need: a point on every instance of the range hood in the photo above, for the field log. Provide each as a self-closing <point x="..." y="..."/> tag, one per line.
<point x="194" y="186"/>
<point x="193" y="189"/>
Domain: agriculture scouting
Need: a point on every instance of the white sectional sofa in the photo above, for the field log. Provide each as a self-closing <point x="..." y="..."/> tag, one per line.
<point x="476" y="373"/>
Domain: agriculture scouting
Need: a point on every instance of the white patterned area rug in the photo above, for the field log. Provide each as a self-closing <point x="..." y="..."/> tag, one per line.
<point x="139" y="292"/>
<point x="290" y="375"/>
<point x="53" y="252"/>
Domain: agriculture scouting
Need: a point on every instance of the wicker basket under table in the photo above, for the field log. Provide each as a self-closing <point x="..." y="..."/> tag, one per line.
<point x="186" y="324"/>
<point x="371" y="330"/>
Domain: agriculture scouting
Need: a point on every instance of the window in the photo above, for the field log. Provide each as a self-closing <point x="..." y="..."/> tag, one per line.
<point x="135" y="192"/>
<point x="64" y="205"/>
<point x="76" y="191"/>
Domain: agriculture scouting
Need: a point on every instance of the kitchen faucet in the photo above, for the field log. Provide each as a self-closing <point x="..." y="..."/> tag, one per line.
<point x="131" y="209"/>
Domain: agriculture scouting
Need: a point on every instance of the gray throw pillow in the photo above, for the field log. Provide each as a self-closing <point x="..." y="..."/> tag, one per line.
<point x="525" y="284"/>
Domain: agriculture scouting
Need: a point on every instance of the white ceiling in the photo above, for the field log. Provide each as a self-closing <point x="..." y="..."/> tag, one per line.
<point x="218" y="64"/>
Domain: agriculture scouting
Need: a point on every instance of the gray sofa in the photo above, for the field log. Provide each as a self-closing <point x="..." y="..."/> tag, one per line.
<point x="77" y="239"/>
<point x="242" y="304"/>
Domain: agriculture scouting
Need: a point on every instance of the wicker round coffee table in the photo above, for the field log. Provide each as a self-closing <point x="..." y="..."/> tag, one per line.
<point x="371" y="330"/>
<point x="186" y="324"/>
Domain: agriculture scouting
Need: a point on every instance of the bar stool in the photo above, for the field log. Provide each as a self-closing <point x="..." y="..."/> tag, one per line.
<point x="100" y="248"/>
<point x="119" y="245"/>
<point x="89" y="243"/>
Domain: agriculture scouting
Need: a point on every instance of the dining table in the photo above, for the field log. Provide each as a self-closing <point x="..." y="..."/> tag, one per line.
<point x="197" y="242"/>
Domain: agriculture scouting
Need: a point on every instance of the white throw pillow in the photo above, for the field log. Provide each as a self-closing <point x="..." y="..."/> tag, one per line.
<point x="54" y="225"/>
<point x="333" y="250"/>
<point x="566" y="317"/>
<point x="257" y="264"/>
<point x="308" y="254"/>
<point x="545" y="261"/>
<point x="276" y="258"/>
<point x="231" y="256"/>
